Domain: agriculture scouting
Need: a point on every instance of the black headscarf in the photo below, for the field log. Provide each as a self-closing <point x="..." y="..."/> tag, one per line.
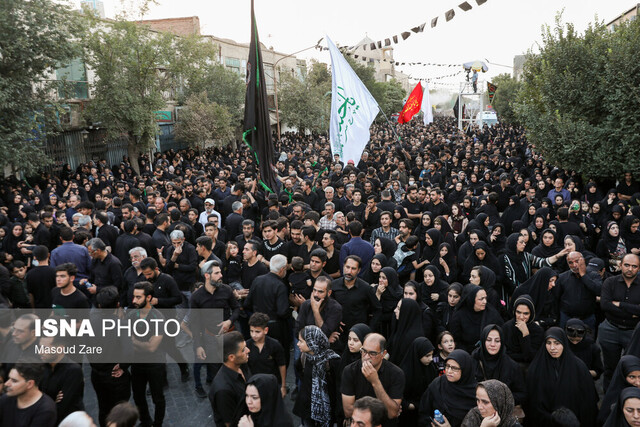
<point x="516" y="258"/>
<point x="408" y="328"/>
<point x="439" y="286"/>
<point x="480" y="219"/>
<point x="392" y="279"/>
<point x="617" y="418"/>
<point x="490" y="260"/>
<point x="388" y="249"/>
<point x="372" y="277"/>
<point x="556" y="382"/>
<point x="632" y="240"/>
<point x="543" y="251"/>
<point x="627" y="364"/>
<point x="537" y="287"/>
<point x="430" y="251"/>
<point x="502" y="401"/>
<point x="272" y="410"/>
<point x="361" y="330"/>
<point x="453" y="400"/>
<point x="472" y="322"/>
<point x="492" y="366"/>
<point x="449" y="258"/>
<point x="417" y="375"/>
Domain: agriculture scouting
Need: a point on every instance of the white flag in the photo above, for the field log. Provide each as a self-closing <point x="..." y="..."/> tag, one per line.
<point x="426" y="105"/>
<point x="353" y="109"/>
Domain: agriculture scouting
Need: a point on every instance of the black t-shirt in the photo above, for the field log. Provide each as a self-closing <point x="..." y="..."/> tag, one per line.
<point x="75" y="299"/>
<point x="40" y="281"/>
<point x="268" y="250"/>
<point x="249" y="273"/>
<point x="355" y="384"/>
<point x="40" y="414"/>
<point x="412" y="208"/>
<point x="267" y="361"/>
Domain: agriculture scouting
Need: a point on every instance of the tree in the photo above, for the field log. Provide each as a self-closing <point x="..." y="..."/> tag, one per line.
<point x="204" y="122"/>
<point x="505" y="97"/>
<point x="300" y="104"/>
<point x="128" y="60"/>
<point x="35" y="37"/>
<point x="579" y="100"/>
<point x="392" y="96"/>
<point x="389" y="95"/>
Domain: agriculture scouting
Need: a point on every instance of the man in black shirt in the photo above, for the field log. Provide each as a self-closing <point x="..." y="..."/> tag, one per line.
<point x="24" y="405"/>
<point x="373" y="376"/>
<point x="63" y="381"/>
<point x="620" y="302"/>
<point x="227" y="390"/>
<point x="214" y="294"/>
<point x="65" y="295"/>
<point x="577" y="290"/>
<point x="106" y="269"/>
<point x="411" y="205"/>
<point x="248" y="228"/>
<point x="251" y="267"/>
<point x="357" y="298"/>
<point x="148" y="350"/>
<point x="266" y="354"/>
<point x="111" y="381"/>
<point x="436" y="206"/>
<point x="165" y="295"/>
<point x="272" y="244"/>
<point x="270" y="295"/>
<point x="295" y="246"/>
<point x="41" y="279"/>
<point x="320" y="310"/>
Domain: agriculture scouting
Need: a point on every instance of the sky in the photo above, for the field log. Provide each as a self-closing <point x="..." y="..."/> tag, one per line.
<point x="496" y="31"/>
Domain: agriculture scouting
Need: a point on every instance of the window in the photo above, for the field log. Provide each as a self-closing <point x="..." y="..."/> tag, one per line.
<point x="233" y="64"/>
<point x="74" y="76"/>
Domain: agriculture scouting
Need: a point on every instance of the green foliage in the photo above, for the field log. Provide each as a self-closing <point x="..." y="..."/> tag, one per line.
<point x="128" y="61"/>
<point x="579" y="99"/>
<point x="392" y="96"/>
<point x="204" y="123"/>
<point x="35" y="37"/>
<point x="389" y="95"/>
<point x="505" y="97"/>
<point x="302" y="104"/>
<point x="223" y="86"/>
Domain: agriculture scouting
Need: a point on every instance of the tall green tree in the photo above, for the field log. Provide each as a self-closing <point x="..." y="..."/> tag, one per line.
<point x="301" y="104"/>
<point x="128" y="61"/>
<point x="36" y="37"/>
<point x="204" y="123"/>
<point x="505" y="97"/>
<point x="579" y="100"/>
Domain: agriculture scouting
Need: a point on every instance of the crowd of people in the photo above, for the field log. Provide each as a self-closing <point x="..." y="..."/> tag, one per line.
<point x="446" y="278"/>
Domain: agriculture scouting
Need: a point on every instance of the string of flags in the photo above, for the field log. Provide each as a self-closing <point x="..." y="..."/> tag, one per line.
<point x="395" y="39"/>
<point x="436" y="78"/>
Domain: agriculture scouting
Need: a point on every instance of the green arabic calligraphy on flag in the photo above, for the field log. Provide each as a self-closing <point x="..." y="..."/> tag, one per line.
<point x="353" y="109"/>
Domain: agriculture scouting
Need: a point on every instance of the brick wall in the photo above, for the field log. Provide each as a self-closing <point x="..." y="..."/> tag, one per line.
<point x="179" y="26"/>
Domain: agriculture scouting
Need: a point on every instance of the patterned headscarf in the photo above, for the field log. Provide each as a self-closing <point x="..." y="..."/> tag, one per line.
<point x="319" y="345"/>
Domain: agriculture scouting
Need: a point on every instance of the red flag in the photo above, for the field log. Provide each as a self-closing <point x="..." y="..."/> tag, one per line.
<point x="412" y="107"/>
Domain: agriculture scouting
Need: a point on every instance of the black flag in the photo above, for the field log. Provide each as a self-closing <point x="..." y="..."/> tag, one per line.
<point x="257" y="126"/>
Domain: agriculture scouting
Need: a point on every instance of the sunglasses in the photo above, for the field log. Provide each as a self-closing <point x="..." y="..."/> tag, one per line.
<point x="575" y="332"/>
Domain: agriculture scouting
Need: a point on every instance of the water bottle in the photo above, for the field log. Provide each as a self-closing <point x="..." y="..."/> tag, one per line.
<point x="437" y="416"/>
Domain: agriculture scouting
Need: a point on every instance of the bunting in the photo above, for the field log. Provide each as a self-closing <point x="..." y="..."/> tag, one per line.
<point x="386" y="41"/>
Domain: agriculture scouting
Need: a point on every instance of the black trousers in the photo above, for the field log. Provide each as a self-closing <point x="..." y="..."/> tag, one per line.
<point x="110" y="391"/>
<point x="152" y="374"/>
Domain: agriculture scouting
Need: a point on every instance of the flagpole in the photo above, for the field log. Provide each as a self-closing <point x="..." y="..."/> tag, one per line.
<point x="385" y="116"/>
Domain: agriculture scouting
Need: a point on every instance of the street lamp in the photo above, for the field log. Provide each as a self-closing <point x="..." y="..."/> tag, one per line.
<point x="275" y="80"/>
<point x="85" y="134"/>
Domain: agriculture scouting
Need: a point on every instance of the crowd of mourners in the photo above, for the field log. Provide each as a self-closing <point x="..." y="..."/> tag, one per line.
<point x="446" y="278"/>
